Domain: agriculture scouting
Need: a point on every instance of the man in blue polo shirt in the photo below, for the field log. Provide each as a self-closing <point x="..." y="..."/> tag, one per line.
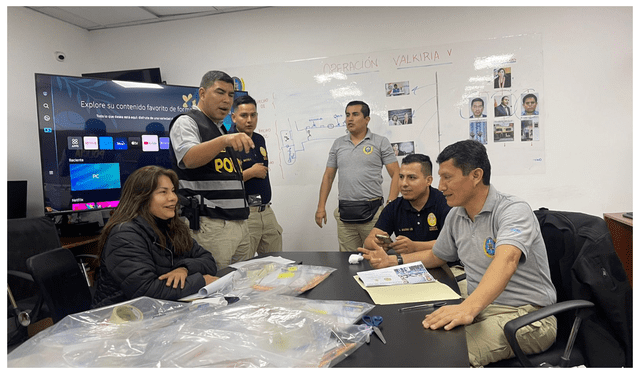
<point x="416" y="218"/>
<point x="264" y="230"/>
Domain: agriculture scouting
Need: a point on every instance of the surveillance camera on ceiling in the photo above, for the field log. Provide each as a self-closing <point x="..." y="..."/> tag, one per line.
<point x="60" y="56"/>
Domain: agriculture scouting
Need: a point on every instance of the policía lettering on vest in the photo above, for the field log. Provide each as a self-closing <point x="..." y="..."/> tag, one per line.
<point x="225" y="163"/>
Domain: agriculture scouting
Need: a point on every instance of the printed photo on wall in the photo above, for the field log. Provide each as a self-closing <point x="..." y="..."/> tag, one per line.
<point x="502" y="78"/>
<point x="397" y="88"/>
<point x="399" y="117"/>
<point x="502" y="105"/>
<point x="403" y="148"/>
<point x="478" y="131"/>
<point x="530" y="130"/>
<point x="477" y="108"/>
<point x="503" y="132"/>
<point x="530" y="104"/>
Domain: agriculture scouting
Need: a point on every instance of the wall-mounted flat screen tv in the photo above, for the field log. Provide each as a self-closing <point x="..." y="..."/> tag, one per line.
<point x="94" y="133"/>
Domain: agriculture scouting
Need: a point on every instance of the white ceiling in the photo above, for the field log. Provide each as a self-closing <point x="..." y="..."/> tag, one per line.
<point x="99" y="17"/>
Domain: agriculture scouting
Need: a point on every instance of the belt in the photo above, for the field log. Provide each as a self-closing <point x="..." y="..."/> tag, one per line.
<point x="258" y="208"/>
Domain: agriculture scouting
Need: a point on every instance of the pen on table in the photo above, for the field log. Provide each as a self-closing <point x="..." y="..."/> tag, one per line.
<point x="423" y="306"/>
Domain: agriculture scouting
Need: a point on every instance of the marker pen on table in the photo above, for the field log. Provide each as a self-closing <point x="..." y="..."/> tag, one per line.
<point x="423" y="306"/>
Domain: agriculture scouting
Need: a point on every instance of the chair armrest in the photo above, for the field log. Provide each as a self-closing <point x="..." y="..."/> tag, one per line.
<point x="20" y="274"/>
<point x="511" y="327"/>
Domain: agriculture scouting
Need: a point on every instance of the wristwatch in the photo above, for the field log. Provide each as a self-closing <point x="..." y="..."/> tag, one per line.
<point x="400" y="261"/>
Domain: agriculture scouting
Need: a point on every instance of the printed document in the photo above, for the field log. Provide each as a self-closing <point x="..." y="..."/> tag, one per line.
<point x="411" y="273"/>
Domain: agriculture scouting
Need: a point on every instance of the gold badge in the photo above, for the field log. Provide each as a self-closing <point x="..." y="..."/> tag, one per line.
<point x="263" y="152"/>
<point x="367" y="150"/>
<point x="431" y="219"/>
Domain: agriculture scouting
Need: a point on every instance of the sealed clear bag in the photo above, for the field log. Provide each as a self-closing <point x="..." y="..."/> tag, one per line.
<point x="254" y="332"/>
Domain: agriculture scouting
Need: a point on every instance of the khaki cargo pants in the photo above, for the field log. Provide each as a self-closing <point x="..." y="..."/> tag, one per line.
<point x="228" y="241"/>
<point x="486" y="342"/>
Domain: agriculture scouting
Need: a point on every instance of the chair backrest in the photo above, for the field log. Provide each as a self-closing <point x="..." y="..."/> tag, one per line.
<point x="27" y="237"/>
<point x="584" y="265"/>
<point x="61" y="282"/>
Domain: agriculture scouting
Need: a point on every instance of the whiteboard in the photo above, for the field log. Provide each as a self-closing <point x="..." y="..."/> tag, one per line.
<point x="420" y="99"/>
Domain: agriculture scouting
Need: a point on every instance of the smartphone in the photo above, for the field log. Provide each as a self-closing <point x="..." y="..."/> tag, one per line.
<point x="385" y="238"/>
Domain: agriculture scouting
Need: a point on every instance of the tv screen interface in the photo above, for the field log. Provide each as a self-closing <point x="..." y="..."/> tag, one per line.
<point x="94" y="133"/>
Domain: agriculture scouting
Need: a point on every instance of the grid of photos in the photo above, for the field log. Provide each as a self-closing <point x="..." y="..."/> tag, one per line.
<point x="509" y="111"/>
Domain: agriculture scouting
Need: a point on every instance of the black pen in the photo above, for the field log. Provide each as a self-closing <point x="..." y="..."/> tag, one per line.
<point x="423" y="306"/>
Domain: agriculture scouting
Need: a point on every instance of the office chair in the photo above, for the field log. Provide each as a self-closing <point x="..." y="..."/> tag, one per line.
<point x="27" y="311"/>
<point x="592" y="289"/>
<point x="61" y="281"/>
<point x="26" y="237"/>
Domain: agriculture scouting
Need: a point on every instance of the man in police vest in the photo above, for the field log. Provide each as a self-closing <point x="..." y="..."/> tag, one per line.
<point x="205" y="158"/>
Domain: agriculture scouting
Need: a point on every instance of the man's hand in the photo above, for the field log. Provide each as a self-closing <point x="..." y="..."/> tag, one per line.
<point x="449" y="317"/>
<point x="381" y="243"/>
<point x="377" y="257"/>
<point x="321" y="215"/>
<point x="208" y="279"/>
<point x="239" y="141"/>
<point x="175" y="277"/>
<point x="258" y="171"/>
<point x="403" y="245"/>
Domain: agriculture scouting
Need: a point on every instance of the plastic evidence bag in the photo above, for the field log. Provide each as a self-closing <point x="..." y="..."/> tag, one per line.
<point x="145" y="332"/>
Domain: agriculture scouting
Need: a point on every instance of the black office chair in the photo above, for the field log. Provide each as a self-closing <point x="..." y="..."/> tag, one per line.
<point x="27" y="311"/>
<point x="61" y="282"/>
<point x="592" y="286"/>
<point x="26" y="237"/>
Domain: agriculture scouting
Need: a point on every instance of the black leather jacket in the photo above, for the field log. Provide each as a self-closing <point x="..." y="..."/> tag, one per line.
<point x="133" y="259"/>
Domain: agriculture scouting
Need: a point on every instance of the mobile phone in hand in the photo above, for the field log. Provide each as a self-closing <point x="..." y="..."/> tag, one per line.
<point x="385" y="238"/>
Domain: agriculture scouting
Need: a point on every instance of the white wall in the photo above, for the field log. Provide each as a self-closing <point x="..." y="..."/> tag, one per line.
<point x="587" y="58"/>
<point x="32" y="40"/>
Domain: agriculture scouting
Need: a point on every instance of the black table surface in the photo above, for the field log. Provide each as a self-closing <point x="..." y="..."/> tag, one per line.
<point x="408" y="343"/>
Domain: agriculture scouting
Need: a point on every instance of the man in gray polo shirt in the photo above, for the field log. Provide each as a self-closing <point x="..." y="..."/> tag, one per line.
<point x="498" y="240"/>
<point x="358" y="158"/>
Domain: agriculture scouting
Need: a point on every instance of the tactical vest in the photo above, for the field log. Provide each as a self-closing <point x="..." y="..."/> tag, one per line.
<point x="216" y="189"/>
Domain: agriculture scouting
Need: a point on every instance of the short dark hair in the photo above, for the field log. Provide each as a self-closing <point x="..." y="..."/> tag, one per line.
<point x="365" y="107"/>
<point x="424" y="160"/>
<point x="210" y="77"/>
<point x="468" y="155"/>
<point x="528" y="96"/>
<point x="477" y="99"/>
<point x="241" y="100"/>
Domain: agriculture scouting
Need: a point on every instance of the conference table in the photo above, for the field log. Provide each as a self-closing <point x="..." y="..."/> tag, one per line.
<point x="408" y="343"/>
